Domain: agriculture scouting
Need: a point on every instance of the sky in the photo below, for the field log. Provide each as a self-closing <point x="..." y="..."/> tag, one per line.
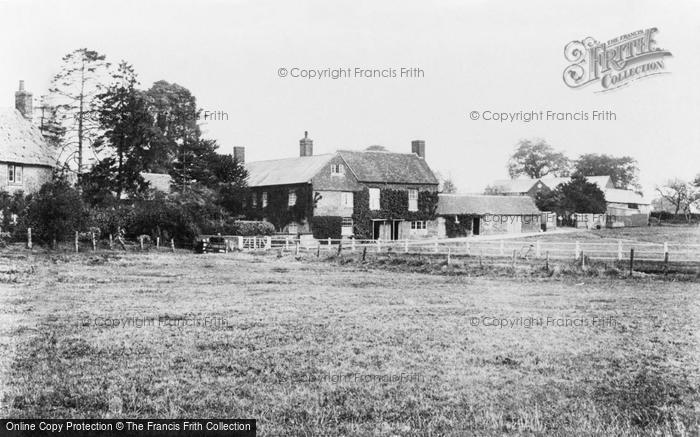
<point x="475" y="56"/>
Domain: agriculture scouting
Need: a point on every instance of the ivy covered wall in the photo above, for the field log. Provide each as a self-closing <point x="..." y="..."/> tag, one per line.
<point x="393" y="204"/>
<point x="278" y="212"/>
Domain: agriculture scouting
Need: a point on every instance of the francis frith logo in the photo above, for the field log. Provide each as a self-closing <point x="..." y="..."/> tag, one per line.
<point x="615" y="63"/>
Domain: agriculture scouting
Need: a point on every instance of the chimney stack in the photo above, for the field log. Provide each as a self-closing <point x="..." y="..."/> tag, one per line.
<point x="23" y="101"/>
<point x="418" y="147"/>
<point x="306" y="145"/>
<point x="239" y="154"/>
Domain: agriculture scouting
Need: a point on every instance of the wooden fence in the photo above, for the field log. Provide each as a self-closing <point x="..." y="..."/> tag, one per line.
<point x="517" y="248"/>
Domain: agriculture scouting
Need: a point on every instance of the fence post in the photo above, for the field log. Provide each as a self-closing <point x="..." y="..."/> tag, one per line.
<point x="94" y="245"/>
<point x="268" y="243"/>
<point x="481" y="252"/>
<point x="619" y="250"/>
<point x="296" y="249"/>
<point x="364" y="253"/>
<point x="76" y="241"/>
<point x="577" y="250"/>
<point x="318" y="250"/>
<point x="436" y="246"/>
<point x="631" y="261"/>
<point x="352" y="244"/>
<point x="546" y="262"/>
<point x="502" y="249"/>
<point x="448" y="255"/>
<point x="405" y="245"/>
<point x="157" y="242"/>
<point x="111" y="242"/>
<point x="583" y="261"/>
<point x="379" y="245"/>
<point x="329" y="244"/>
<point x="538" y="250"/>
<point x="512" y="262"/>
<point x="665" y="263"/>
<point x="665" y="248"/>
<point x="141" y="241"/>
<point x="469" y="250"/>
<point x="286" y="243"/>
<point x="240" y="243"/>
<point x="29" y="238"/>
<point x="172" y="244"/>
<point x="340" y="247"/>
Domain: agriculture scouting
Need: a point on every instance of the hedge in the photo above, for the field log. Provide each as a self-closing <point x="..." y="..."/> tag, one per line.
<point x="324" y="227"/>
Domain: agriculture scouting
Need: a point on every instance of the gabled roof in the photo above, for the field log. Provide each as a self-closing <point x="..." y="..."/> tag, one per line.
<point x="389" y="167"/>
<point x="21" y="142"/>
<point x="614" y="195"/>
<point x="524" y="185"/>
<point x="457" y="204"/>
<point x="285" y="171"/>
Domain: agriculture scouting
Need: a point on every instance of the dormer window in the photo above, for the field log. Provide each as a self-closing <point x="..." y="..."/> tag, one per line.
<point x="337" y="169"/>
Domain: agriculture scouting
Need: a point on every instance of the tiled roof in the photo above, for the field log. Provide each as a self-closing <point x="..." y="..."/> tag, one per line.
<point x="22" y="142"/>
<point x="285" y="171"/>
<point x="456" y="204"/>
<point x="158" y="181"/>
<point x="387" y="167"/>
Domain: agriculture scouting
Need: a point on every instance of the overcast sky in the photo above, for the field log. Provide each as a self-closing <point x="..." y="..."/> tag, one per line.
<point x="478" y="55"/>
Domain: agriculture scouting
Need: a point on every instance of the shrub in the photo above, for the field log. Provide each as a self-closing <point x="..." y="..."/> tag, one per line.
<point x="324" y="227"/>
<point x="56" y="211"/>
<point x="247" y="228"/>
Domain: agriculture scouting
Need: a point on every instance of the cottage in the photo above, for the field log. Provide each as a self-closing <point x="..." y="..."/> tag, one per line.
<point x="465" y="215"/>
<point x="366" y="194"/>
<point x="26" y="160"/>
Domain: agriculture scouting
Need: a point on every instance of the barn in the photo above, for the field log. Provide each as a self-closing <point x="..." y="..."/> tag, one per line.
<point x="471" y="214"/>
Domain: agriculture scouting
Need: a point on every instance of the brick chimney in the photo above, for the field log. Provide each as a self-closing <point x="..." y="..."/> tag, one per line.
<point x="239" y="154"/>
<point x="23" y="101"/>
<point x="306" y="145"/>
<point x="418" y="147"/>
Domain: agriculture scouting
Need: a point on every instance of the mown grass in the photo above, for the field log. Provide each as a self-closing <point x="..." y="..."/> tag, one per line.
<point x="672" y="234"/>
<point x="297" y="332"/>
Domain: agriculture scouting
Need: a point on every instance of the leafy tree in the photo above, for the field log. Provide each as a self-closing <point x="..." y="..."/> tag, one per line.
<point x="127" y="135"/>
<point x="175" y="113"/>
<point x="446" y="184"/>
<point x="73" y="94"/>
<point x="680" y="195"/>
<point x="623" y="170"/>
<point x="50" y="125"/>
<point x="575" y="196"/>
<point x="535" y="159"/>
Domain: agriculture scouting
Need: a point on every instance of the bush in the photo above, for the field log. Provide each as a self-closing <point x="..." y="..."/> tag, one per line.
<point x="246" y="228"/>
<point x="324" y="227"/>
<point x="56" y="211"/>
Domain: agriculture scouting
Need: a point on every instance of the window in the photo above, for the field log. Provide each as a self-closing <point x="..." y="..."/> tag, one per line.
<point x="346" y="199"/>
<point x="254" y="200"/>
<point x="413" y="200"/>
<point x="346" y="227"/>
<point x="374" y="198"/>
<point x="632" y="206"/>
<point x="14" y="173"/>
<point x="292" y="197"/>
<point x="337" y="169"/>
<point x="264" y="199"/>
<point x="419" y="226"/>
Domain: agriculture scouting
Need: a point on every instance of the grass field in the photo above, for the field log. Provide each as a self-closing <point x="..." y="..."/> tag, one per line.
<point x="318" y="347"/>
<point x="672" y="234"/>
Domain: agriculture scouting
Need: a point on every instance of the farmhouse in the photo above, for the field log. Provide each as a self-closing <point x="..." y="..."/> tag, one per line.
<point x="366" y="194"/>
<point x="466" y="215"/>
<point x="26" y="160"/>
